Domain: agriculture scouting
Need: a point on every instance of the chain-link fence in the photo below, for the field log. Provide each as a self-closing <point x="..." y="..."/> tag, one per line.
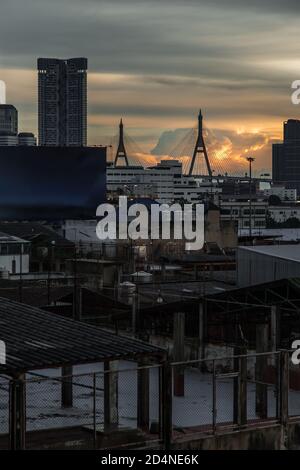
<point x="121" y="404"/>
<point x="212" y="394"/>
<point x="294" y="389"/>
<point x="263" y="386"/>
<point x="60" y="407"/>
<point x="4" y="412"/>
<point x="115" y="405"/>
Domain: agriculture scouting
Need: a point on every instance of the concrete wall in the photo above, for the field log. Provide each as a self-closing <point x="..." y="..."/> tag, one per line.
<point x="259" y="437"/>
<point x="269" y="437"/>
<point x="222" y="232"/>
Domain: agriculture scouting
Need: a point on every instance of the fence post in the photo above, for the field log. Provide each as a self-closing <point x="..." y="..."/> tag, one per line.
<point x="67" y="387"/>
<point x="143" y="395"/>
<point x="236" y="365"/>
<point x="242" y="389"/>
<point x="111" y="417"/>
<point x="178" y="352"/>
<point x="284" y="387"/>
<point x="261" y="399"/>
<point x="214" y="404"/>
<point x="95" y="409"/>
<point x="275" y="327"/>
<point x="201" y="353"/>
<point x="160" y="405"/>
<point x="167" y="396"/>
<point x="17" y="412"/>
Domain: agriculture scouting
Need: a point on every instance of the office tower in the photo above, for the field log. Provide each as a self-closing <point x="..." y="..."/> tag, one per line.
<point x="8" y="139"/>
<point x="291" y="130"/>
<point x="62" y="97"/>
<point x="26" y="139"/>
<point x="286" y="156"/>
<point x="8" y="119"/>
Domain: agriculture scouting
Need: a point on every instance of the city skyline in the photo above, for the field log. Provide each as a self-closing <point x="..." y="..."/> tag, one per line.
<point x="156" y="65"/>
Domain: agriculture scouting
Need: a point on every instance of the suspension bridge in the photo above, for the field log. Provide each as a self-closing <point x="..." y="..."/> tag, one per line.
<point x="198" y="150"/>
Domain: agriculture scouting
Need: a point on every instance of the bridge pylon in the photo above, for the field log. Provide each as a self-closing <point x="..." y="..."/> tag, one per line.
<point x="121" y="151"/>
<point x="200" y="148"/>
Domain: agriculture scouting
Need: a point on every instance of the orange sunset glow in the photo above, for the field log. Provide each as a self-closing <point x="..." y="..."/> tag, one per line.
<point x="226" y="58"/>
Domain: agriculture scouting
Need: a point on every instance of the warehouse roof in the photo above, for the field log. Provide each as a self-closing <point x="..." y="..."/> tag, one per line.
<point x="35" y="339"/>
<point x="286" y="252"/>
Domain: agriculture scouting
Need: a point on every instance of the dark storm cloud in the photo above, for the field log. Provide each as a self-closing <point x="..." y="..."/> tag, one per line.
<point x="270" y="6"/>
<point x="173" y="37"/>
<point x="163" y="58"/>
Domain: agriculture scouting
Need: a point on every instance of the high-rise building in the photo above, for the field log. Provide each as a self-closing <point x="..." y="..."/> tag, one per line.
<point x="9" y="128"/>
<point x="286" y="157"/>
<point x="26" y="139"/>
<point x="62" y="97"/>
<point x="8" y="119"/>
<point x="8" y="139"/>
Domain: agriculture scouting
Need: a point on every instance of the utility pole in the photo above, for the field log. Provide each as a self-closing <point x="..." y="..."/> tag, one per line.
<point x="50" y="266"/>
<point x="250" y="160"/>
<point x="21" y="272"/>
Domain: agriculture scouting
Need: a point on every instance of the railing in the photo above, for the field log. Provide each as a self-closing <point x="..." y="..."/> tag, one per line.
<point x="215" y="393"/>
<point x="126" y="405"/>
<point x="95" y="408"/>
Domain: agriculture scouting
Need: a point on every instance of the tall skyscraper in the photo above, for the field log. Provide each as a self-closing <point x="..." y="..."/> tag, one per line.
<point x="62" y="89"/>
<point x="8" y="119"/>
<point x="286" y="156"/>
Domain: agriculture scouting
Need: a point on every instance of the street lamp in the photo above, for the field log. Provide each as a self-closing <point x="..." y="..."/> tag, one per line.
<point x="250" y="160"/>
<point x="211" y="184"/>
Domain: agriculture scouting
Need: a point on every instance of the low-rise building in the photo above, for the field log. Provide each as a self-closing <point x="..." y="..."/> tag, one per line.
<point x="282" y="213"/>
<point x="156" y="182"/>
<point x="49" y="250"/>
<point x="282" y="192"/>
<point x="164" y="182"/>
<point x="238" y="209"/>
<point x="14" y="254"/>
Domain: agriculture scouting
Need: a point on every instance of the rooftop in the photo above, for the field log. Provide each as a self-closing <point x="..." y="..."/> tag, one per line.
<point x="38" y="340"/>
<point x="287" y="252"/>
<point x="7" y="238"/>
<point x="33" y="231"/>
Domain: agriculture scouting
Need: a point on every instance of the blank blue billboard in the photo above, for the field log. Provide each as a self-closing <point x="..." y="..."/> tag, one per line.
<point x="46" y="183"/>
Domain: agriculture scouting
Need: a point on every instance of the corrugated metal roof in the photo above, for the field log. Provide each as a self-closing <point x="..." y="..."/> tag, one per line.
<point x="37" y="340"/>
<point x="288" y="252"/>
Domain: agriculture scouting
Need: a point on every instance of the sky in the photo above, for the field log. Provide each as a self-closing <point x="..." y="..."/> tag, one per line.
<point x="156" y="62"/>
